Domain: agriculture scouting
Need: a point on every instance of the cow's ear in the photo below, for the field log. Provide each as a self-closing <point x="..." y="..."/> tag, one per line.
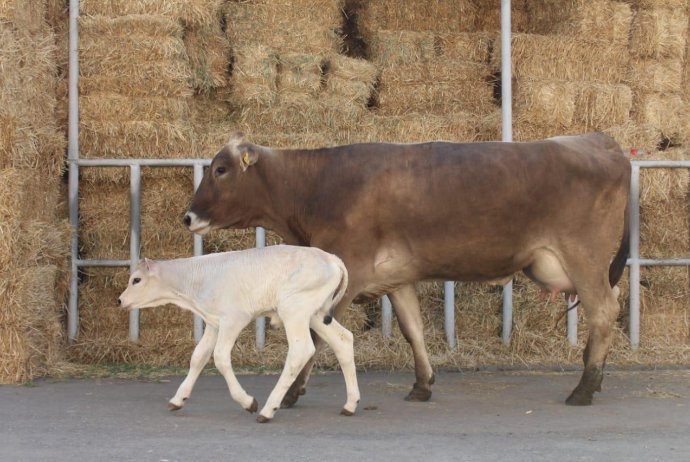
<point x="150" y="265"/>
<point x="236" y="137"/>
<point x="249" y="155"/>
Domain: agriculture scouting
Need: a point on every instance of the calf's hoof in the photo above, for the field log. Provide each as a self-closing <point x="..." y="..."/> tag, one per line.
<point x="291" y="398"/>
<point x="579" y="398"/>
<point x="262" y="419"/>
<point x="253" y="408"/>
<point x="173" y="407"/>
<point x="346" y="413"/>
<point x="418" y="394"/>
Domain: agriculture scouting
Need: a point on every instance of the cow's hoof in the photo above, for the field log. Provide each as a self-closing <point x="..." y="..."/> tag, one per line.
<point x="173" y="407"/>
<point x="579" y="398"/>
<point x="432" y="380"/>
<point x="418" y="395"/>
<point x="254" y="407"/>
<point x="262" y="419"/>
<point x="346" y="413"/>
<point x="290" y="399"/>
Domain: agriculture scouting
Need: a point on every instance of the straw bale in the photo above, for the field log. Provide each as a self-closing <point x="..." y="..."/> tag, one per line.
<point x="544" y="16"/>
<point x="32" y="243"/>
<point x="327" y="113"/>
<point x="396" y="47"/>
<point x="30" y="329"/>
<point x="254" y="75"/>
<point x="548" y="102"/>
<point x="208" y="49"/>
<point x="191" y="12"/>
<point x="598" y="20"/>
<point x="651" y="75"/>
<point x="285" y="27"/>
<point x="132" y="25"/>
<point x="658" y="4"/>
<point x="351" y="78"/>
<point x="564" y="58"/>
<point x="432" y="15"/>
<point x="416" y="128"/>
<point x="659" y="33"/>
<point x="666" y="112"/>
<point x="25" y="15"/>
<point x="524" y="129"/>
<point x="489" y="19"/>
<point x="300" y="74"/>
<point x="633" y="136"/>
<point x="27" y="194"/>
<point x="598" y="105"/>
<point x="469" y="46"/>
<point x="438" y="86"/>
<point x="111" y="107"/>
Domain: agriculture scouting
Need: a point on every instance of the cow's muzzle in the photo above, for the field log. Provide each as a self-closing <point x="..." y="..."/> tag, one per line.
<point x="195" y="225"/>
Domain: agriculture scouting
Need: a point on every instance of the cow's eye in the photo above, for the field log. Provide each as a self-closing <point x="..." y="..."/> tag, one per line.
<point x="136" y="281"/>
<point x="220" y="171"/>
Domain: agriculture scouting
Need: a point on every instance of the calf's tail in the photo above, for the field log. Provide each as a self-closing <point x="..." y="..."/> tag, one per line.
<point x="339" y="292"/>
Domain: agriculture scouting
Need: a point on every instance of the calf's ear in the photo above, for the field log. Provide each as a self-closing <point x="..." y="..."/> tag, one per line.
<point x="249" y="155"/>
<point x="150" y="264"/>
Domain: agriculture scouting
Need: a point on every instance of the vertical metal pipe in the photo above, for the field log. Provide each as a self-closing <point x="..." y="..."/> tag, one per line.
<point x="386" y="317"/>
<point x="260" y="322"/>
<point x="507" y="135"/>
<point x="135" y="238"/>
<point x="73" y="154"/>
<point x="572" y="322"/>
<point x="198" y="250"/>
<point x="635" y="258"/>
<point x="449" y="312"/>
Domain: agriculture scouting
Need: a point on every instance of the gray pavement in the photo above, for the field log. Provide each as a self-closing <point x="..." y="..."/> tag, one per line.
<point x="471" y="416"/>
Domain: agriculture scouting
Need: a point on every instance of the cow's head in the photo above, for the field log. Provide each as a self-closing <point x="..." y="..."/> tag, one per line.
<point x="145" y="288"/>
<point x="225" y="194"/>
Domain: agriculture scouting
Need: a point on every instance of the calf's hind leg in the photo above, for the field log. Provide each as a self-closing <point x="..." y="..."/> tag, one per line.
<point x="300" y="350"/>
<point x="601" y="308"/>
<point x="341" y="341"/>
<point x="202" y="353"/>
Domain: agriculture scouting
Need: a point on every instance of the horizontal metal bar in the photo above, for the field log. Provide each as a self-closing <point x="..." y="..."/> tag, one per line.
<point x="661" y="163"/>
<point x="140" y="162"/>
<point x="662" y="262"/>
<point x="83" y="263"/>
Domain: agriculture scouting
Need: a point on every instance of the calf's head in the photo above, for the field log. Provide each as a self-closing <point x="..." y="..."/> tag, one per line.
<point x="145" y="288"/>
<point x="227" y="193"/>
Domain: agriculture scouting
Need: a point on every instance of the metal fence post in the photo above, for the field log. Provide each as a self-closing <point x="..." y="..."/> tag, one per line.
<point x="198" y="250"/>
<point x="572" y="322"/>
<point x="260" y="322"/>
<point x="449" y="311"/>
<point x="386" y="317"/>
<point x="507" y="135"/>
<point x="135" y="239"/>
<point x="635" y="257"/>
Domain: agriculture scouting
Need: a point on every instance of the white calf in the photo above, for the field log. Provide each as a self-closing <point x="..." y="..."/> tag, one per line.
<point x="296" y="285"/>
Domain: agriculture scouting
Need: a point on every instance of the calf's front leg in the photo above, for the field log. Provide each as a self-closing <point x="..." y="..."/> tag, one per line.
<point x="300" y="350"/>
<point x="201" y="355"/>
<point x="227" y="335"/>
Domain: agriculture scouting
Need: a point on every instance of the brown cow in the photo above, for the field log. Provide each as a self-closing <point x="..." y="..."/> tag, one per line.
<point x="397" y="214"/>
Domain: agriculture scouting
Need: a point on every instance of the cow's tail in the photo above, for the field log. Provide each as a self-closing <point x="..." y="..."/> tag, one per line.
<point x="619" y="261"/>
<point x="339" y="291"/>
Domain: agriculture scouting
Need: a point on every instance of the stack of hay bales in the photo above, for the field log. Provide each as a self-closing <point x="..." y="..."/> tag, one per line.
<point x="138" y="91"/>
<point x="290" y="84"/>
<point x="434" y="70"/>
<point x="657" y="47"/>
<point x="33" y="240"/>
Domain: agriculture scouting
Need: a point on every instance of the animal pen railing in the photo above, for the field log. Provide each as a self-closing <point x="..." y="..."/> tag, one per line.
<point x="634" y="262"/>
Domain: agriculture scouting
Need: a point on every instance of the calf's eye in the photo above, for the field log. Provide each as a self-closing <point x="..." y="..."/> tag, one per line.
<point x="136" y="280"/>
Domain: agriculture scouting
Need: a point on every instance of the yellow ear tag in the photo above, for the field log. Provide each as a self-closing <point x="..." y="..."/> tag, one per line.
<point x="246" y="158"/>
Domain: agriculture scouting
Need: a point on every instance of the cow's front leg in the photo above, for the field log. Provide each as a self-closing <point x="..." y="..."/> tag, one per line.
<point x="227" y="335"/>
<point x="202" y="353"/>
<point x="406" y="306"/>
<point x="300" y="350"/>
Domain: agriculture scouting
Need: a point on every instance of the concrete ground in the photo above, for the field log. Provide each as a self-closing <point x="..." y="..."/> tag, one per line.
<point x="475" y="416"/>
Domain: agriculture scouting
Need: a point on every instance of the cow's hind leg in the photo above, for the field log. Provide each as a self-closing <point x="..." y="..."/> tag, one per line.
<point x="601" y="308"/>
<point x="406" y="306"/>
<point x="202" y="353"/>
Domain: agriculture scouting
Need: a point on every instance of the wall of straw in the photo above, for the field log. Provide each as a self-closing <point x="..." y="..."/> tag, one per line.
<point x="171" y="78"/>
<point x="33" y="240"/>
